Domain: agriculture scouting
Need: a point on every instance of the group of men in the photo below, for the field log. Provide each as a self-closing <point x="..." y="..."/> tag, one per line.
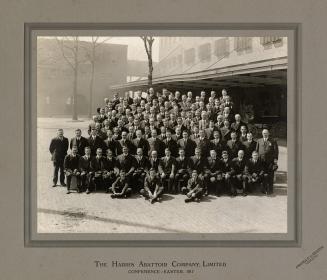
<point x="166" y="143"/>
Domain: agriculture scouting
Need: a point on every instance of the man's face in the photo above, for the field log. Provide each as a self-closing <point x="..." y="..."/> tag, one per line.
<point x="154" y="154"/>
<point x="124" y="135"/>
<point x="74" y="151"/>
<point x="265" y="133"/>
<point x="255" y="156"/>
<point x="216" y="135"/>
<point x="60" y="133"/>
<point x="213" y="153"/>
<point x="225" y="156"/>
<point x="167" y="153"/>
<point x="125" y="151"/>
<point x="181" y="153"/>
<point x="78" y="133"/>
<point x="194" y="175"/>
<point x="139" y="152"/>
<point x="94" y="132"/>
<point x="168" y="134"/>
<point x="233" y="136"/>
<point x="243" y="129"/>
<point x="138" y="134"/>
<point x="122" y="175"/>
<point x="185" y="135"/>
<point x="99" y="152"/>
<point x="152" y="173"/>
<point x="102" y="111"/>
<point x="154" y="133"/>
<point x="178" y="131"/>
<point x="249" y="136"/>
<point x="237" y="118"/>
<point x="226" y="123"/>
<point x="240" y="154"/>
<point x="87" y="151"/>
<point x="201" y="132"/>
<point x="109" y="153"/>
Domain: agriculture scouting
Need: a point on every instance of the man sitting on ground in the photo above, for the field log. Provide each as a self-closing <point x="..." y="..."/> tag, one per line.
<point x="120" y="188"/>
<point x="194" y="189"/>
<point x="152" y="187"/>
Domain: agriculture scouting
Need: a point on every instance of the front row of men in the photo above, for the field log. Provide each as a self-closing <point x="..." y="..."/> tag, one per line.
<point x="195" y="176"/>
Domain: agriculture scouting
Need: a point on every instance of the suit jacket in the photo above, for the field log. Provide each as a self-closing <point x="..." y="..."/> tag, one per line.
<point x="204" y="145"/>
<point x="219" y="147"/>
<point x="237" y="126"/>
<point x="85" y="163"/>
<point x="155" y="165"/>
<point x="192" y="184"/>
<point x="168" y="165"/>
<point x="94" y="144"/>
<point x="268" y="151"/>
<point x="110" y="164"/>
<point x="249" y="147"/>
<point x="71" y="162"/>
<point x="127" y="144"/>
<point x="238" y="166"/>
<point x="172" y="146"/>
<point x="58" y="149"/>
<point x="226" y="167"/>
<point x="233" y="148"/>
<point x="142" y="164"/>
<point x="141" y="143"/>
<point x="126" y="163"/>
<point x="225" y="133"/>
<point x="113" y="145"/>
<point x="255" y="167"/>
<point x="156" y="145"/>
<point x="198" y="164"/>
<point x="97" y="164"/>
<point x="81" y="144"/>
<point x="183" y="163"/>
<point x="188" y="145"/>
<point x="213" y="165"/>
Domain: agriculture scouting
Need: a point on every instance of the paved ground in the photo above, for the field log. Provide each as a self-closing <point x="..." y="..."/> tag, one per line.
<point x="98" y="213"/>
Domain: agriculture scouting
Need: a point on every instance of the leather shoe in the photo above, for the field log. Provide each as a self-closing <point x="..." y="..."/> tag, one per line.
<point x="63" y="184"/>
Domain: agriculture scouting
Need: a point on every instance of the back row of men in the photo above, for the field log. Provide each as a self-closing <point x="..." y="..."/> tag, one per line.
<point x="175" y="165"/>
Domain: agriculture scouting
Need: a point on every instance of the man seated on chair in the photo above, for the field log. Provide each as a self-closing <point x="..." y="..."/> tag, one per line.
<point x="238" y="174"/>
<point x="255" y="171"/>
<point x="226" y="172"/>
<point x="212" y="174"/>
<point x="71" y="167"/>
<point x="110" y="165"/>
<point x="152" y="187"/>
<point x="168" y="166"/>
<point x="183" y="168"/>
<point x="120" y="188"/>
<point x="194" y="189"/>
<point x="141" y="167"/>
<point x="85" y="168"/>
<point x="97" y="167"/>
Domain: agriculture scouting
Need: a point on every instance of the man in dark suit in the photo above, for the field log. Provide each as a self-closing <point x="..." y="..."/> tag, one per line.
<point x="203" y="143"/>
<point x="168" y="165"/>
<point x="249" y="146"/>
<point x="236" y="126"/>
<point x="226" y="171"/>
<point x="111" y="144"/>
<point x="58" y="149"/>
<point x="155" y="144"/>
<point x="110" y="166"/>
<point x="198" y="162"/>
<point x="141" y="168"/>
<point x="140" y="142"/>
<point x="183" y="170"/>
<point x="255" y="171"/>
<point x="171" y="144"/>
<point x="85" y="168"/>
<point x="267" y="149"/>
<point x="226" y="131"/>
<point x="126" y="162"/>
<point x="95" y="142"/>
<point x="79" y="141"/>
<point x="233" y="145"/>
<point x="98" y="168"/>
<point x="217" y="143"/>
<point x="153" y="188"/>
<point x="187" y="144"/>
<point x="154" y="162"/>
<point x="212" y="174"/>
<point x="71" y="165"/>
<point x="194" y="189"/>
<point x="238" y="174"/>
<point x="124" y="142"/>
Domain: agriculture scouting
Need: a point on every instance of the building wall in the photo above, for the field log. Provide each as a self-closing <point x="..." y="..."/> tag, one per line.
<point x="192" y="54"/>
<point x="55" y="77"/>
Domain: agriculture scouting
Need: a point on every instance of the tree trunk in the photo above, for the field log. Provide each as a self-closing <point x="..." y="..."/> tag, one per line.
<point x="91" y="82"/>
<point x="150" y="72"/>
<point x="74" y="103"/>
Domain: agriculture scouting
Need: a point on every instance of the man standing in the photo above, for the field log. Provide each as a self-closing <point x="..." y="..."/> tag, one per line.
<point x="187" y="144"/>
<point x="95" y="142"/>
<point x="79" y="141"/>
<point x="238" y="174"/>
<point x="58" y="149"/>
<point x="97" y="167"/>
<point x="183" y="168"/>
<point x="267" y="149"/>
<point x="71" y="165"/>
<point x="233" y="145"/>
<point x="168" y="170"/>
<point x="85" y="168"/>
<point x="213" y="170"/>
<point x="141" y="167"/>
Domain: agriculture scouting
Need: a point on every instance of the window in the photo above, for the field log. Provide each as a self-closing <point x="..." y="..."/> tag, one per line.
<point x="270" y="40"/>
<point x="243" y="43"/>
<point x="205" y="52"/>
<point x="221" y="47"/>
<point x="189" y="56"/>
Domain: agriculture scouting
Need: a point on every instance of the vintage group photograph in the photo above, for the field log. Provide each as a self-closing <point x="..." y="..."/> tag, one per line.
<point x="161" y="134"/>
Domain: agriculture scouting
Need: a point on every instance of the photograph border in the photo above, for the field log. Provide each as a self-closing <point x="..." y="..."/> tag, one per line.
<point x="30" y="241"/>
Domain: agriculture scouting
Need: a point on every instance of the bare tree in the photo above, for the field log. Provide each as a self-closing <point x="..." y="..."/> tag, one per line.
<point x="69" y="47"/>
<point x="91" y="57"/>
<point x="148" y="42"/>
